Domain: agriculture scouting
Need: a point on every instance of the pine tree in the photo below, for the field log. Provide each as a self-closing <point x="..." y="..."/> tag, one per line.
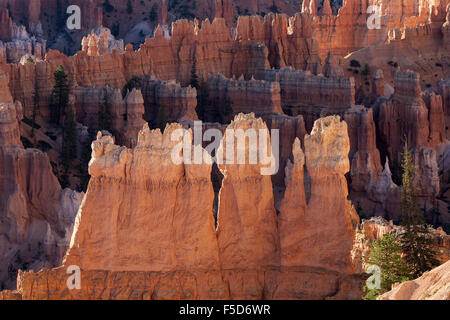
<point x="154" y="13"/>
<point x="129" y="7"/>
<point x="70" y="139"/>
<point x="202" y="100"/>
<point x="226" y="109"/>
<point x="104" y="114"/>
<point x="194" y="77"/>
<point x="386" y="253"/>
<point x="60" y="95"/>
<point x="35" y="108"/>
<point x="416" y="240"/>
<point x="162" y="117"/>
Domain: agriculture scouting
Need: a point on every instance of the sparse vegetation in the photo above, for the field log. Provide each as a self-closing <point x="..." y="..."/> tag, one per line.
<point x="108" y="7"/>
<point x="386" y="253"/>
<point x="416" y="240"/>
<point x="153" y="16"/>
<point x="133" y="83"/>
<point x="60" y="95"/>
<point x="129" y="7"/>
<point x="355" y="64"/>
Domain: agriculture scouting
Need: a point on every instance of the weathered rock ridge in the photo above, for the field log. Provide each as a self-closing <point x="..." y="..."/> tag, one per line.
<point x="36" y="215"/>
<point x="161" y="234"/>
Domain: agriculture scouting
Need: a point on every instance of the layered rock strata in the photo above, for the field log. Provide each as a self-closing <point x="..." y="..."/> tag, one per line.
<point x="36" y="215"/>
<point x="309" y="95"/>
<point x="159" y="240"/>
<point x="174" y="102"/>
<point x="229" y="97"/>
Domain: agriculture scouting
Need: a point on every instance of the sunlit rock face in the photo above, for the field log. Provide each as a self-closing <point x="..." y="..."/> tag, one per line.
<point x="145" y="216"/>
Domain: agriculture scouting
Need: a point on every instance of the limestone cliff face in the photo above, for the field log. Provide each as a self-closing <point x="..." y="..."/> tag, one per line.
<point x="247" y="222"/>
<point x="364" y="155"/>
<point x="326" y="159"/>
<point x="289" y="40"/>
<point x="289" y="128"/>
<point x="153" y="233"/>
<point x="126" y="114"/>
<point x="36" y="215"/>
<point x="139" y="227"/>
<point x="309" y="95"/>
<point x="177" y="103"/>
<point x="406" y="115"/>
<point x="444" y="92"/>
<point x="257" y="96"/>
<point x="348" y="30"/>
<point x="409" y="116"/>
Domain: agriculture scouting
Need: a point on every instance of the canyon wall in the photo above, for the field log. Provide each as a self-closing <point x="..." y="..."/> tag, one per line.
<point x="36" y="214"/>
<point x="176" y="103"/>
<point x="240" y="96"/>
<point x="164" y="244"/>
<point x="125" y="115"/>
<point x="309" y="95"/>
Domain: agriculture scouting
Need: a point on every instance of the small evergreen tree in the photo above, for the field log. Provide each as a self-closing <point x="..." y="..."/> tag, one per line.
<point x="35" y="108"/>
<point x="133" y="83"/>
<point x="104" y="114"/>
<point x="386" y="253"/>
<point x="60" y="95"/>
<point x="69" y="147"/>
<point x="161" y="122"/>
<point x="194" y="77"/>
<point x="416" y="239"/>
<point x="154" y="13"/>
<point x="129" y="7"/>
<point x="202" y="100"/>
<point x="226" y="109"/>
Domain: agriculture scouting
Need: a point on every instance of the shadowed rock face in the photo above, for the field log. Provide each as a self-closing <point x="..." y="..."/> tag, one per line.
<point x="146" y="227"/>
<point x="36" y="215"/>
<point x="146" y="218"/>
<point x="326" y="159"/>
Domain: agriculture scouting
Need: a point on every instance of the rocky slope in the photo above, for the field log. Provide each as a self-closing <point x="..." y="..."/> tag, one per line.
<point x="433" y="285"/>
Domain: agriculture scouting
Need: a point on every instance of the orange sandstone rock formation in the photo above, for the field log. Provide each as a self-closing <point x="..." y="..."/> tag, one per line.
<point x="36" y="214"/>
<point x="326" y="204"/>
<point x="159" y="241"/>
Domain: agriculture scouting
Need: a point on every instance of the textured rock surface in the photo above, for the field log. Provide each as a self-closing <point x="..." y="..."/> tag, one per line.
<point x="433" y="285"/>
<point x="178" y="102"/>
<point x="126" y="114"/>
<point x="172" y="237"/>
<point x="36" y="215"/>
<point x="309" y="95"/>
<point x="151" y="244"/>
<point x="257" y="96"/>
<point x="377" y="227"/>
<point x="327" y="204"/>
<point x="247" y="222"/>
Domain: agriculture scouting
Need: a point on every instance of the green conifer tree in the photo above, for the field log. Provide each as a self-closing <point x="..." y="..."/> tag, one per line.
<point x="162" y="120"/>
<point x="35" y="108"/>
<point x="416" y="240"/>
<point x="194" y="77"/>
<point x="104" y="114"/>
<point x="129" y="7"/>
<point x="60" y="95"/>
<point x="69" y="147"/>
<point x="386" y="253"/>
